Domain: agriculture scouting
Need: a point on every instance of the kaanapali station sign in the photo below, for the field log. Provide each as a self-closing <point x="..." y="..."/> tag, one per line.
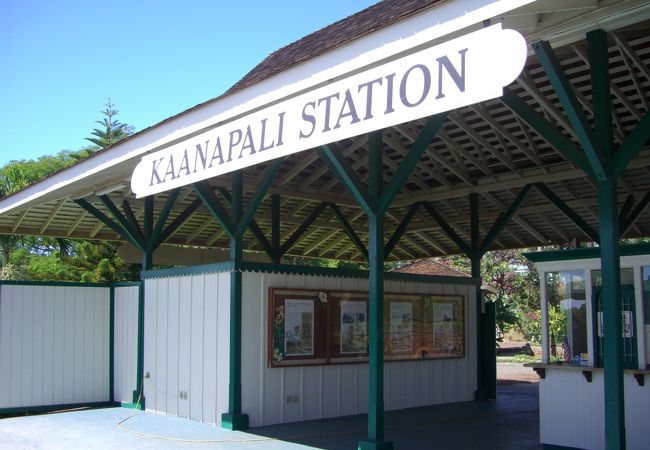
<point x="460" y="72"/>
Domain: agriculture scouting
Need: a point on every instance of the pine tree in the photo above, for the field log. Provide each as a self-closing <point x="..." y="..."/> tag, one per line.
<point x="112" y="130"/>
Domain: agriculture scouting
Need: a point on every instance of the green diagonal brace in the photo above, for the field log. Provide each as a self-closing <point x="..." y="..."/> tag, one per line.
<point x="570" y="213"/>
<point x="107" y="221"/>
<point x="410" y="161"/>
<point x="625" y="210"/>
<point x="275" y="229"/>
<point x="178" y="221"/>
<point x="126" y="226"/>
<point x="301" y="229"/>
<point x="503" y="218"/>
<point x="153" y="240"/>
<point x="205" y="193"/>
<point x="547" y="130"/>
<point x="255" y="228"/>
<point x="632" y="145"/>
<point x="447" y="228"/>
<point x="131" y="217"/>
<point x="343" y="171"/>
<point x="349" y="230"/>
<point x="259" y="195"/>
<point x="572" y="107"/>
<point x="401" y="229"/>
<point x="634" y="214"/>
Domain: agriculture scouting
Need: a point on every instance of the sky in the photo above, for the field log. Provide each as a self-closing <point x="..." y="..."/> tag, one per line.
<point x="60" y="61"/>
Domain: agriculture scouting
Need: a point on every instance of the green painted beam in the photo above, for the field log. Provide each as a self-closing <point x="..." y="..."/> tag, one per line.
<point x="634" y="142"/>
<point x="107" y="221"/>
<point x="178" y="221"/>
<point x="275" y="229"/>
<point x="401" y="229"/>
<point x="572" y="108"/>
<point x="503" y="219"/>
<point x="111" y="345"/>
<point x="625" y="209"/>
<point x="633" y="215"/>
<point x="148" y="218"/>
<point x="601" y="96"/>
<point x="410" y="161"/>
<point x="567" y="211"/>
<point x="342" y="169"/>
<point x="153" y="240"/>
<point x="547" y="131"/>
<point x="349" y="230"/>
<point x="206" y="194"/>
<point x="124" y="223"/>
<point x="259" y="195"/>
<point x="460" y="243"/>
<point x="474" y="256"/>
<point x="300" y="231"/>
<point x="612" y="328"/>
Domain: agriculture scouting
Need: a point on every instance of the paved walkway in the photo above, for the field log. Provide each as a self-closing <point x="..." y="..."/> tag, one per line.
<point x="508" y="423"/>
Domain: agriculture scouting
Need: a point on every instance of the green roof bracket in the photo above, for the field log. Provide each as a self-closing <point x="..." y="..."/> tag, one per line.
<point x="342" y="169"/>
<point x="572" y="107"/>
<point x="309" y="220"/>
<point x="206" y="194"/>
<point x="567" y="211"/>
<point x="410" y="161"/>
<point x="259" y="195"/>
<point x="401" y="229"/>
<point x="460" y="243"/>
<point x="354" y="237"/>
<point x="547" y="131"/>
<point x="503" y="219"/>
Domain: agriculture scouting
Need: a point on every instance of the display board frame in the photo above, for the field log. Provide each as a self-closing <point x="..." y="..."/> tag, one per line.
<point x="319" y="327"/>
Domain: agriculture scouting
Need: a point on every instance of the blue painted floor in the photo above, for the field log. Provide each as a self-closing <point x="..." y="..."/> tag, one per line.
<point x="512" y="422"/>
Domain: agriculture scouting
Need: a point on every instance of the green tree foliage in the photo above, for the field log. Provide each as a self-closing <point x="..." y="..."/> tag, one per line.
<point x="517" y="283"/>
<point x="111" y="130"/>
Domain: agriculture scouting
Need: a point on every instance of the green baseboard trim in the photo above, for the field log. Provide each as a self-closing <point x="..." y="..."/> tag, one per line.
<point x="128" y="405"/>
<point x="558" y="447"/>
<point x="234" y="422"/>
<point x="375" y="445"/>
<point x="134" y="401"/>
<point x="50" y="408"/>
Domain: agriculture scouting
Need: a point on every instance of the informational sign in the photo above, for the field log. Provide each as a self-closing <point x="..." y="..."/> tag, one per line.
<point x="401" y="327"/>
<point x="353" y="327"/>
<point x="443" y="326"/>
<point x="299" y="327"/>
<point x="460" y="72"/>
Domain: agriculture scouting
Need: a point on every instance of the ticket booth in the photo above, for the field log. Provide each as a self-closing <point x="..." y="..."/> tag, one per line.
<point x="571" y="389"/>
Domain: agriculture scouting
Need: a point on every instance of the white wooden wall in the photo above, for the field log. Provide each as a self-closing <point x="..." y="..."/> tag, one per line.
<point x="54" y="345"/>
<point x="125" y="343"/>
<point x="186" y="345"/>
<point x="337" y="390"/>
<point x="572" y="411"/>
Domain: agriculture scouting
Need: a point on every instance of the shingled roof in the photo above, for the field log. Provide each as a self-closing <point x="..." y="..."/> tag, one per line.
<point x="430" y="266"/>
<point x="345" y="30"/>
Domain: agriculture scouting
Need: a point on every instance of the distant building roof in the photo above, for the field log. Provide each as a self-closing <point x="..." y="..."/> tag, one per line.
<point x="430" y="266"/>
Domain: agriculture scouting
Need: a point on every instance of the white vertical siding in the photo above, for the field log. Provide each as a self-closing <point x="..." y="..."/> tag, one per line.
<point x="336" y="390"/>
<point x="186" y="345"/>
<point x="126" y="343"/>
<point x="572" y="411"/>
<point x="54" y="345"/>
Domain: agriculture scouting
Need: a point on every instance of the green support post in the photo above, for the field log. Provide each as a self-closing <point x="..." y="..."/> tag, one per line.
<point x="234" y="419"/>
<point x="490" y="350"/>
<point x="612" y="339"/>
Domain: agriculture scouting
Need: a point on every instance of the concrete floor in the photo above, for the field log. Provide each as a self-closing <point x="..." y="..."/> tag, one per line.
<point x="511" y="422"/>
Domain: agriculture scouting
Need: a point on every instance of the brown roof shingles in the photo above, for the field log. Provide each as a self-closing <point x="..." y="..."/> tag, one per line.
<point x="431" y="267"/>
<point x="353" y="27"/>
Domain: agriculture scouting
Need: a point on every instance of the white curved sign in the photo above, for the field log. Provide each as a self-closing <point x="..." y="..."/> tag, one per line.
<point x="460" y="72"/>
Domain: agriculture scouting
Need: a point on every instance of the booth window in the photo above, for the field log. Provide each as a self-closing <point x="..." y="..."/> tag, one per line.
<point x="628" y="317"/>
<point x="567" y="317"/>
<point x="646" y="312"/>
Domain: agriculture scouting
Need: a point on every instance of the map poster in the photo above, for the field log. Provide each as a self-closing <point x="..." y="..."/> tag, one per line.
<point x="353" y="327"/>
<point x="401" y="327"/>
<point x="299" y="327"/>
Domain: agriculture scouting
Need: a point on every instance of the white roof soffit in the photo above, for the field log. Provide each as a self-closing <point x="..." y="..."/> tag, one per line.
<point x="383" y="45"/>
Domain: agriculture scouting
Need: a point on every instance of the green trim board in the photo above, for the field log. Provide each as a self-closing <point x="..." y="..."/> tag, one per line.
<point x="111" y="345"/>
<point x="585" y="253"/>
<point x="54" y="283"/>
<point x="226" y="266"/>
